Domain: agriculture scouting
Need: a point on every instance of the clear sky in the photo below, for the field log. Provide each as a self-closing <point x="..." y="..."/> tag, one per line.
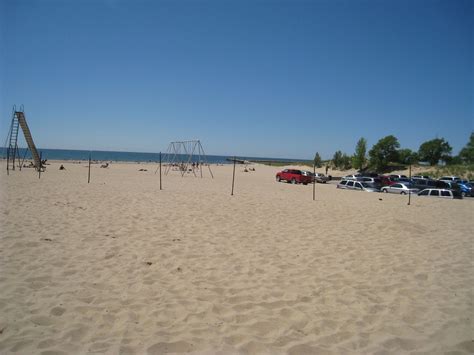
<point x="250" y="78"/>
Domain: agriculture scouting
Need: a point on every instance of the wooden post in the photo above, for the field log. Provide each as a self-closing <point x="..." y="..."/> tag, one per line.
<point x="233" y="178"/>
<point x="8" y="162"/>
<point x="89" y="175"/>
<point x="200" y="162"/>
<point x="314" y="182"/>
<point x="19" y="160"/>
<point x="160" y="173"/>
<point x="41" y="164"/>
<point x="409" y="191"/>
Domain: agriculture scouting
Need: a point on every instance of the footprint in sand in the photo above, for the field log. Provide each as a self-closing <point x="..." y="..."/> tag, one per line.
<point x="42" y="320"/>
<point x="57" y="311"/>
<point x="47" y="343"/>
<point x="53" y="352"/>
<point x="176" y="347"/>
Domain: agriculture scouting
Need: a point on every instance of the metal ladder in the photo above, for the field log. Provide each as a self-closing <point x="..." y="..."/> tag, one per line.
<point x="13" y="152"/>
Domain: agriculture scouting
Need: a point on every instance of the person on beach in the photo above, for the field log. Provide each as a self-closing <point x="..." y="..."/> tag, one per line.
<point x="62" y="167"/>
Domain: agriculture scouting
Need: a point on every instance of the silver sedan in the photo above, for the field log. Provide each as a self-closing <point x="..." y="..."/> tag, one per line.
<point x="400" y="189"/>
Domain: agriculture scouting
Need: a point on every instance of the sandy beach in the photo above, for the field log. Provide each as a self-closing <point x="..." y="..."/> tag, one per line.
<point x="119" y="267"/>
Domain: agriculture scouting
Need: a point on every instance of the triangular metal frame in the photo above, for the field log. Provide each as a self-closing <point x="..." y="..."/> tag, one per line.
<point x="183" y="154"/>
<point x="13" y="151"/>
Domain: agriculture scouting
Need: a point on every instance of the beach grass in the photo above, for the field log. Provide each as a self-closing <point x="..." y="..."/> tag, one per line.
<point x="463" y="171"/>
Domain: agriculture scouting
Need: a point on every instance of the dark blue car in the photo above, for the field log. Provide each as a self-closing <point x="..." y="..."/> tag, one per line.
<point x="464" y="188"/>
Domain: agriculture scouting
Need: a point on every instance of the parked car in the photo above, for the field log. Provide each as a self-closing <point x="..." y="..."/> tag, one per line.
<point x="466" y="188"/>
<point x="369" y="186"/>
<point x="352" y="177"/>
<point x="321" y="178"/>
<point x="442" y="193"/>
<point x="392" y="179"/>
<point x="421" y="177"/>
<point x="308" y="173"/>
<point x="399" y="188"/>
<point x="463" y="189"/>
<point x="343" y="184"/>
<point x="404" y="180"/>
<point x="422" y="184"/>
<point x="388" y="180"/>
<point x="293" y="176"/>
<point x="396" y="176"/>
<point x="449" y="178"/>
<point x="442" y="184"/>
<point x="318" y="177"/>
<point x="368" y="179"/>
<point x="357" y="185"/>
<point x="465" y="182"/>
<point x="372" y="180"/>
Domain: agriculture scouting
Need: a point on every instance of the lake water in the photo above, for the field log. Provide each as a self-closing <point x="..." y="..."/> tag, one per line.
<point x="68" y="154"/>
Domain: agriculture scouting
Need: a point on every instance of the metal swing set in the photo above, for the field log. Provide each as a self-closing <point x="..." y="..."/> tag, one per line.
<point x="186" y="156"/>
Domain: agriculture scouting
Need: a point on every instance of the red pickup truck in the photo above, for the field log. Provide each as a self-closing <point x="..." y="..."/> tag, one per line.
<point x="294" y="176"/>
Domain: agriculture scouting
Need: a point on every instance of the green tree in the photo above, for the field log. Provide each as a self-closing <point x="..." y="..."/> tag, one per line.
<point x="337" y="159"/>
<point x="318" y="162"/>
<point x="407" y="156"/>
<point x="467" y="153"/>
<point x="346" y="162"/>
<point x="384" y="152"/>
<point x="359" y="159"/>
<point x="453" y="160"/>
<point x="435" y="150"/>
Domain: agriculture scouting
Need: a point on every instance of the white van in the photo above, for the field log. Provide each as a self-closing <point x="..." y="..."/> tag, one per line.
<point x="442" y="193"/>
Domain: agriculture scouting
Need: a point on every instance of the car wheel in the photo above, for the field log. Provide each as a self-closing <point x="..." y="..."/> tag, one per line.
<point x="278" y="179"/>
<point x="403" y="193"/>
<point x="385" y="190"/>
<point x="293" y="181"/>
<point x="463" y="194"/>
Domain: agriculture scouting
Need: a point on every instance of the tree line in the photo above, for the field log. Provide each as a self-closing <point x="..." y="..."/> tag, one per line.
<point x="387" y="152"/>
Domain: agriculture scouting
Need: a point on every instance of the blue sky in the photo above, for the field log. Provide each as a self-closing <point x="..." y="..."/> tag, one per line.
<point x="250" y="78"/>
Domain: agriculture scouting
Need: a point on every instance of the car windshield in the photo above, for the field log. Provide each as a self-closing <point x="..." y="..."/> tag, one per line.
<point x="365" y="184"/>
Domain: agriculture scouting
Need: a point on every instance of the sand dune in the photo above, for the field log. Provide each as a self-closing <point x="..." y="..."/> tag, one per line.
<point x="119" y="267"/>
